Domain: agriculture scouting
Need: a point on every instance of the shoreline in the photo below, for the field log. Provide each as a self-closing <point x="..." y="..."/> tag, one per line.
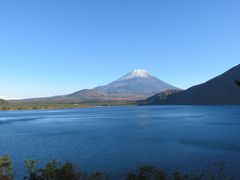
<point x="57" y="106"/>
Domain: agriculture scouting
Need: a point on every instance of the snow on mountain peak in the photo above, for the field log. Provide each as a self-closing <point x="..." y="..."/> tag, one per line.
<point x="137" y="73"/>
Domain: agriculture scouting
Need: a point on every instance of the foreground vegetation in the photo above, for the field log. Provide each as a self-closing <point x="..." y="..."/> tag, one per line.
<point x="19" y="105"/>
<point x="54" y="170"/>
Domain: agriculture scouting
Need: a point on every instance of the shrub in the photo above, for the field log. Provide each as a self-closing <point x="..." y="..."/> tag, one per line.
<point x="146" y="173"/>
<point x="5" y="168"/>
<point x="54" y="170"/>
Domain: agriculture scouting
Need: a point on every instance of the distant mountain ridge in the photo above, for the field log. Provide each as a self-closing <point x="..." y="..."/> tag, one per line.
<point x="136" y="85"/>
<point x="223" y="89"/>
<point x="140" y="85"/>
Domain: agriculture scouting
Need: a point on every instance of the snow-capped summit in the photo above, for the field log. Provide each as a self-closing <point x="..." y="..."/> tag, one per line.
<point x="137" y="84"/>
<point x="137" y="73"/>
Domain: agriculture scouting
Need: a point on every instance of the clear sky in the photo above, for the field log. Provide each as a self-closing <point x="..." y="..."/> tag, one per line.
<point x="53" y="47"/>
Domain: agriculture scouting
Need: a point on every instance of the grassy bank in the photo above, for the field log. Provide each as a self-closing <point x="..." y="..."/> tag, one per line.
<point x="19" y="105"/>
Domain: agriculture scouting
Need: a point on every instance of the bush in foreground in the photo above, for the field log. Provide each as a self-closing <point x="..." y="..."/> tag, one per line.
<point x="5" y="168"/>
<point x="54" y="170"/>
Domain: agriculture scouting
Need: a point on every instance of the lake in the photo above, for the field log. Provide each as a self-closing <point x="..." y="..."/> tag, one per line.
<point x="118" y="139"/>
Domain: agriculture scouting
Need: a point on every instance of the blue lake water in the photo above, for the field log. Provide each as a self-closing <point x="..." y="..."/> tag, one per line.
<point x="118" y="139"/>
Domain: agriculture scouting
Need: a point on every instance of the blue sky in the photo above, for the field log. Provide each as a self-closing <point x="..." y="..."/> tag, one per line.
<point x="51" y="47"/>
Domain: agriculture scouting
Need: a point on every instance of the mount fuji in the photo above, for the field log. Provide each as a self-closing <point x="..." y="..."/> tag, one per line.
<point x="136" y="85"/>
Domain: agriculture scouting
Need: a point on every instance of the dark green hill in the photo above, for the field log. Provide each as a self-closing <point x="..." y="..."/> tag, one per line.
<point x="224" y="89"/>
<point x="161" y="96"/>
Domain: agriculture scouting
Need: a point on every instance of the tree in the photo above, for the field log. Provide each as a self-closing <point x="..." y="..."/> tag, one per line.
<point x="5" y="168"/>
<point x="52" y="171"/>
<point x="30" y="166"/>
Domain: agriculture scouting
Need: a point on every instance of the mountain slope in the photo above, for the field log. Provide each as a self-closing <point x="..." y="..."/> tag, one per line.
<point x="2" y="101"/>
<point x="139" y="84"/>
<point x="85" y="94"/>
<point x="224" y="89"/>
<point x="161" y="96"/>
<point x="136" y="85"/>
